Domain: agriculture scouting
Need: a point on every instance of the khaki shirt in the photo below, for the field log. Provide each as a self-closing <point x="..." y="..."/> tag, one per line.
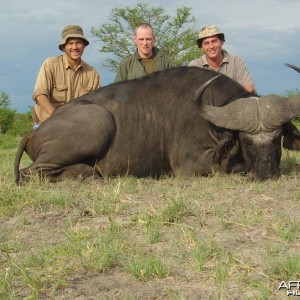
<point x="61" y="84"/>
<point x="232" y="66"/>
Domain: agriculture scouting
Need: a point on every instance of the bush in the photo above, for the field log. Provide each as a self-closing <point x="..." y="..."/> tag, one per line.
<point x="8" y="141"/>
<point x="6" y="119"/>
<point x="292" y="93"/>
<point x="22" y="124"/>
<point x="14" y="128"/>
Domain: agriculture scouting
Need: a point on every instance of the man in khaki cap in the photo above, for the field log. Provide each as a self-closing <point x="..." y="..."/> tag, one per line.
<point x="64" y="77"/>
<point x="211" y="41"/>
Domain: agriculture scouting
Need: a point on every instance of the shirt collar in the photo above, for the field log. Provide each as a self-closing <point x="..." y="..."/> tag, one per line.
<point x="224" y="61"/>
<point x="67" y="64"/>
<point x="154" y="53"/>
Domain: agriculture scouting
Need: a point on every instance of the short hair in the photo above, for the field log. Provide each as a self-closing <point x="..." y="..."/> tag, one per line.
<point x="143" y="25"/>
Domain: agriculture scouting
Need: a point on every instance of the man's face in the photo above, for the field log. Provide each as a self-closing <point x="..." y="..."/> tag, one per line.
<point x="74" y="48"/>
<point x="144" y="40"/>
<point x="212" y="46"/>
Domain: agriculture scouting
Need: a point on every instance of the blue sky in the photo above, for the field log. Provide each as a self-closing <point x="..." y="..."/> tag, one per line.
<point x="265" y="33"/>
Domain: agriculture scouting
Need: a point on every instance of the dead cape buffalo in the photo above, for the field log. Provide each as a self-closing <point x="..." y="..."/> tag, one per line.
<point x="183" y="121"/>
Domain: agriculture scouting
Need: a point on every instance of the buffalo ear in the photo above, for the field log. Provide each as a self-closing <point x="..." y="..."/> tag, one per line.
<point x="291" y="136"/>
<point x="226" y="148"/>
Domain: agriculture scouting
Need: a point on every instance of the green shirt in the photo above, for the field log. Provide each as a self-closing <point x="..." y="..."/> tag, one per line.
<point x="133" y="66"/>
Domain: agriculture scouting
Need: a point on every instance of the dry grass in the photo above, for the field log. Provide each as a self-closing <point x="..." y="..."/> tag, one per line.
<point x="220" y="237"/>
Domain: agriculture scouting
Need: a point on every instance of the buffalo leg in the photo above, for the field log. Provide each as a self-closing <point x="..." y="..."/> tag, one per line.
<point x="69" y="144"/>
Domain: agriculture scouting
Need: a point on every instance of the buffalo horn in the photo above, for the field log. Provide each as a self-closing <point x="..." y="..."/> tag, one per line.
<point x="293" y="67"/>
<point x="201" y="89"/>
<point x="275" y="111"/>
<point x="235" y="115"/>
<point x="253" y="114"/>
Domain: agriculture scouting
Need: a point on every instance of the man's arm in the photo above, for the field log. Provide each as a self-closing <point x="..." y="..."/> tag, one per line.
<point x="45" y="104"/>
<point x="249" y="88"/>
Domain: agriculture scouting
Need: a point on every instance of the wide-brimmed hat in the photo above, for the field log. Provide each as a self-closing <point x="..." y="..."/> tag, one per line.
<point x="208" y="31"/>
<point x="71" y="31"/>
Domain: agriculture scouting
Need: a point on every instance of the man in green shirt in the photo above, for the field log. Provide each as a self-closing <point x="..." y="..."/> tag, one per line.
<point x="147" y="57"/>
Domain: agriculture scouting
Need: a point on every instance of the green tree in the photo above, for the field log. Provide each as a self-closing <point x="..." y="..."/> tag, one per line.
<point x="174" y="35"/>
<point x="4" y="100"/>
<point x="6" y="115"/>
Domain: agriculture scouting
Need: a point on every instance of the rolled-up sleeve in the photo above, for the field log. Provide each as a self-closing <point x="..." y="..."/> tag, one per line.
<point x="44" y="82"/>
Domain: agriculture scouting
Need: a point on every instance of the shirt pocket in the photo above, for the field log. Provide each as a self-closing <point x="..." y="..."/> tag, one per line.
<point x="60" y="93"/>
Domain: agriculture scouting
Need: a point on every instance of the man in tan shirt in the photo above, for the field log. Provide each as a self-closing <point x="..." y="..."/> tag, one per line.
<point x="65" y="77"/>
<point x="211" y="42"/>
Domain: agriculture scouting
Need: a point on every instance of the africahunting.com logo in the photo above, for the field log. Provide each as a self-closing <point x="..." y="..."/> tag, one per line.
<point x="292" y="287"/>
